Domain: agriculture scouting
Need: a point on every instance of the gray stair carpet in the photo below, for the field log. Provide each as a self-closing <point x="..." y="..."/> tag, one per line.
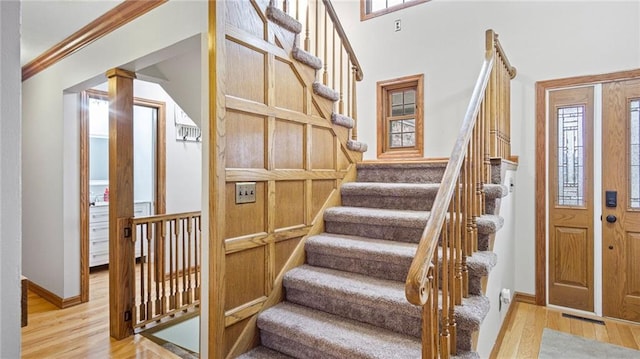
<point x="348" y="300"/>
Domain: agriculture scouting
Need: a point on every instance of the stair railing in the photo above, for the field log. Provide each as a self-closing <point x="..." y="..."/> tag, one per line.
<point x="168" y="278"/>
<point x="324" y="37"/>
<point x="458" y="203"/>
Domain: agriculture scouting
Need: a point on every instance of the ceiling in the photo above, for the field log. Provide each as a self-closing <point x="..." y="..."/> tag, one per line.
<point x="47" y="22"/>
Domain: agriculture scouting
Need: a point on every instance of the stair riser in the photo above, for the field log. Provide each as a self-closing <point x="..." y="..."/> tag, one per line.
<point x="376" y="269"/>
<point x="293" y="348"/>
<point x="388" y="318"/>
<point x="394" y="175"/>
<point x="388" y="202"/>
<point x="392" y="233"/>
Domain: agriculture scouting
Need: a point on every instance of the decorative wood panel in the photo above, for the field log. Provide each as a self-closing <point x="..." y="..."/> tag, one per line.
<point x="632" y="243"/>
<point x="571" y="246"/>
<point x="245" y="140"/>
<point x="245" y="283"/>
<point x="279" y="135"/>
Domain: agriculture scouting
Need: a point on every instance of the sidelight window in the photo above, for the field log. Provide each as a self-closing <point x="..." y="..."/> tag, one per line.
<point x="571" y="156"/>
<point x="634" y="154"/>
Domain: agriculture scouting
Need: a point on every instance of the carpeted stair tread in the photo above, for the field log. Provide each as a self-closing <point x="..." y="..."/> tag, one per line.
<point x="411" y="196"/>
<point x="479" y="264"/>
<point x="357" y="146"/>
<point x="374" y="257"/>
<point x="471" y="313"/>
<point x="262" y="352"/>
<point x="377" y="216"/>
<point x="283" y="19"/>
<point x="489" y="223"/>
<point x="325" y="91"/>
<point x="375" y="301"/>
<point x="306" y="333"/>
<point x="342" y="120"/>
<point x="306" y="58"/>
<point x="493" y="191"/>
<point x="408" y="172"/>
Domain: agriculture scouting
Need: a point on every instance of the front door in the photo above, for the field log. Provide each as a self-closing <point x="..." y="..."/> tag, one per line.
<point x="571" y="202"/>
<point x="621" y="199"/>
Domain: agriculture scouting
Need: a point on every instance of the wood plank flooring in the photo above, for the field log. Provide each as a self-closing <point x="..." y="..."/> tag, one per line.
<point x="524" y="331"/>
<point x="81" y="331"/>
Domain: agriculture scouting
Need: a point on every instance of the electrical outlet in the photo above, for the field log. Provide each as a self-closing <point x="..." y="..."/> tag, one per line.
<point x="397" y="25"/>
<point x="245" y="192"/>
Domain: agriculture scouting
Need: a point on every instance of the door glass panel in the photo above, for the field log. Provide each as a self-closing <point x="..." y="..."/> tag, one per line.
<point x="570" y="191"/>
<point x="634" y="154"/>
<point x="403" y="133"/>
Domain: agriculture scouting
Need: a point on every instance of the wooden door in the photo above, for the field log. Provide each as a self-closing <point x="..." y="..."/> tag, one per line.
<point x="621" y="221"/>
<point x="571" y="198"/>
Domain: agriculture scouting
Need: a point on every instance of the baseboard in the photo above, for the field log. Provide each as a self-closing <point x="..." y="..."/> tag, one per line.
<point x="503" y="329"/>
<point x="53" y="298"/>
<point x="524" y="298"/>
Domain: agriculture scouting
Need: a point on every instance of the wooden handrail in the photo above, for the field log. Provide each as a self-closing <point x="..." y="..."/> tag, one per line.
<point x="416" y="282"/>
<point x="345" y="40"/>
<point x="163" y="217"/>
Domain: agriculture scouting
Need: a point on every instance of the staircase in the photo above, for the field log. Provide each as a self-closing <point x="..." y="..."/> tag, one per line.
<point x="348" y="300"/>
<point x="400" y="268"/>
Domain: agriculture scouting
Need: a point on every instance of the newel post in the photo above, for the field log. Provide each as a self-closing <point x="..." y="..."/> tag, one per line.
<point x="121" y="248"/>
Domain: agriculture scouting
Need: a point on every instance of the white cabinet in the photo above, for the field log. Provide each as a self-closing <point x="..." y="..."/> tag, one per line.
<point x="99" y="231"/>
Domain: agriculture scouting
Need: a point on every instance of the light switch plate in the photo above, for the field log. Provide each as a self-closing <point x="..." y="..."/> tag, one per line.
<point x="245" y="192"/>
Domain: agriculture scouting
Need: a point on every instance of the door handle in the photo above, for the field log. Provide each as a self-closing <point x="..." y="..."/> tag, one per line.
<point x="611" y="218"/>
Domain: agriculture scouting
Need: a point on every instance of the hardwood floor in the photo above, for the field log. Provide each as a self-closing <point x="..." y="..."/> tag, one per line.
<point x="524" y="331"/>
<point x="81" y="331"/>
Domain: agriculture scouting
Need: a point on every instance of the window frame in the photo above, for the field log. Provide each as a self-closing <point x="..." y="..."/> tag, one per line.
<point x="383" y="90"/>
<point x="366" y="16"/>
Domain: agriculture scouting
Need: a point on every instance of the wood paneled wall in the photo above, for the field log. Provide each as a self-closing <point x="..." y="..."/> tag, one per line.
<point x="278" y="134"/>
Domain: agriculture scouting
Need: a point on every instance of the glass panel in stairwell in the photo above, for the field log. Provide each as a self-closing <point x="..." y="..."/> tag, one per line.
<point x="409" y="139"/>
<point x="410" y="97"/>
<point x="378" y="5"/>
<point x="396" y="126"/>
<point x="408" y="126"/>
<point x="570" y="153"/>
<point x="396" y="110"/>
<point x="634" y="154"/>
<point x="396" y="98"/>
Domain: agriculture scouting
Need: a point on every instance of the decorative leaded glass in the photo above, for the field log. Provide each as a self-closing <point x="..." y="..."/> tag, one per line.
<point x="570" y="191"/>
<point x="634" y="153"/>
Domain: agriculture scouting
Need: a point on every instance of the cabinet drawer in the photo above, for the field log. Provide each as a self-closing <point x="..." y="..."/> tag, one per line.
<point x="99" y="245"/>
<point x="98" y="214"/>
<point x="98" y="258"/>
<point x="98" y="230"/>
<point x="141" y="209"/>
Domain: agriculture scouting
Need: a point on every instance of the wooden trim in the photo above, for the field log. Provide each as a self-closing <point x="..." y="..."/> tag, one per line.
<point x="84" y="200"/>
<point x="524" y="298"/>
<point x="258" y="174"/>
<point x="113" y="19"/>
<point x="216" y="165"/>
<point x="503" y="328"/>
<point x="540" y="165"/>
<point x="382" y="89"/>
<point x="52" y="298"/>
<point x="366" y="16"/>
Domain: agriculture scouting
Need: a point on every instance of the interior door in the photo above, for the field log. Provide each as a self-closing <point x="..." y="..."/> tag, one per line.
<point x="621" y="200"/>
<point x="571" y="198"/>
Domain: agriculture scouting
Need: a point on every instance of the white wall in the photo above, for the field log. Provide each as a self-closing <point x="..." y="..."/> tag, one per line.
<point x="10" y="206"/>
<point x="502" y="275"/>
<point x="184" y="159"/>
<point x="45" y="169"/>
<point x="444" y="39"/>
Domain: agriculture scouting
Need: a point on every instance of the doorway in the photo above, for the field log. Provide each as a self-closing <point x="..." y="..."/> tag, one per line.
<point x="588" y="226"/>
<point x="149" y="174"/>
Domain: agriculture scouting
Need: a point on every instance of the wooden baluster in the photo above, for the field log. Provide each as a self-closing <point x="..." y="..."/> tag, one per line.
<point x="354" y="107"/>
<point x="176" y="254"/>
<point x="298" y="10"/>
<point x="458" y="238"/>
<point x="429" y="321"/>
<point x="316" y="37"/>
<point x="197" y="256"/>
<point x="189" y="266"/>
<point x="185" y="268"/>
<point x="285" y="6"/>
<point x="161" y="260"/>
<point x="341" y="103"/>
<point x="147" y="260"/>
<point x="143" y="299"/>
<point x="172" y="234"/>
<point x="445" y="343"/>
<point x="333" y="57"/>
<point x="436" y="306"/>
<point x="349" y="96"/>
<point x="481" y="155"/>
<point x="451" y="277"/>
<point x="476" y="184"/>
<point x="307" y="41"/>
<point x="468" y="229"/>
<point x="325" y="76"/>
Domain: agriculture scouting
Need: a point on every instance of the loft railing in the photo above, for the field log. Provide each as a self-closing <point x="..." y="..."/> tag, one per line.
<point x="459" y="202"/>
<point x="323" y="36"/>
<point x="168" y="271"/>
